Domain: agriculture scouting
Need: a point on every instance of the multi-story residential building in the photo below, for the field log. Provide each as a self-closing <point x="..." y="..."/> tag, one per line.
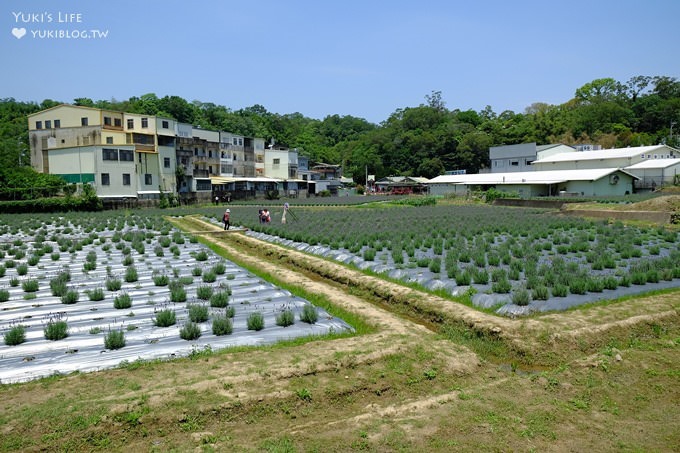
<point x="131" y="155"/>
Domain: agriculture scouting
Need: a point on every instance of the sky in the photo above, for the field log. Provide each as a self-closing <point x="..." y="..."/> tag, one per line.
<point x="365" y="58"/>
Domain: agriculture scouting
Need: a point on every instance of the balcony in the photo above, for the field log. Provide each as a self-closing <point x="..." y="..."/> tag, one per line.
<point x="145" y="148"/>
<point x="201" y="174"/>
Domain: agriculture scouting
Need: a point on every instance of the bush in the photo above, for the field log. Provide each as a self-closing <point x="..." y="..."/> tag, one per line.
<point x="463" y="278"/>
<point x="204" y="292"/>
<point x="222" y="325"/>
<point x="196" y="271"/>
<point x="209" y="276"/>
<point x="610" y="282"/>
<point x="165" y="318"/>
<point x="309" y="314"/>
<point x="230" y="312"/>
<point x="131" y="274"/>
<point x="369" y="254"/>
<point x="201" y="256"/>
<point x="540" y="292"/>
<point x="255" y="321"/>
<point x="22" y="269"/>
<point x="190" y="331"/>
<point x="122" y="301"/>
<point x="14" y="336"/>
<point x="219" y="268"/>
<point x="198" y="312"/>
<point x="113" y="284"/>
<point x="4" y="295"/>
<point x="95" y="294"/>
<point x="115" y="339"/>
<point x="70" y="297"/>
<point x="501" y="286"/>
<point x="178" y="294"/>
<point x="285" y="318"/>
<point x="595" y="285"/>
<point x="521" y="297"/>
<point x="58" y="286"/>
<point x="220" y="299"/>
<point x="435" y="265"/>
<point x="161" y="280"/>
<point x="56" y="330"/>
<point x="578" y="286"/>
<point x="560" y="290"/>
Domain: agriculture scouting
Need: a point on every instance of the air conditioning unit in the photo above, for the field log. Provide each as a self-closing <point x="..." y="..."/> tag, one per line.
<point x="613" y="179"/>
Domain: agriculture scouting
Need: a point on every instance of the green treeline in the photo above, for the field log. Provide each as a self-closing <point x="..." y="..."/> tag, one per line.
<point x="417" y="141"/>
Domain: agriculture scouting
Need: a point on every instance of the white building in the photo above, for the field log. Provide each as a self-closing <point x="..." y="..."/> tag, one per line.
<point x="517" y="158"/>
<point x="605" y="158"/>
<point x="591" y="182"/>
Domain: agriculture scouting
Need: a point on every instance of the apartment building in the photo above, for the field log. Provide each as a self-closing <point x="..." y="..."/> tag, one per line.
<point x="130" y="155"/>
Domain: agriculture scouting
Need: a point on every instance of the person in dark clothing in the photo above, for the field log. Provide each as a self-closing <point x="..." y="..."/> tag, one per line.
<point x="226" y="219"/>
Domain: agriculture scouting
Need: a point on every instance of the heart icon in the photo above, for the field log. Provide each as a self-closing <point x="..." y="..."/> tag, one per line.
<point x="18" y="32"/>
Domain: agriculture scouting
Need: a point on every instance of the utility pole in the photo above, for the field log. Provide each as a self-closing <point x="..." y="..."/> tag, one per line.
<point x="671" y="133"/>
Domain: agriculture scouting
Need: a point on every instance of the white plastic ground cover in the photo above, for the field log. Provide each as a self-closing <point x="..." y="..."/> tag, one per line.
<point x="89" y="321"/>
<point x="482" y="298"/>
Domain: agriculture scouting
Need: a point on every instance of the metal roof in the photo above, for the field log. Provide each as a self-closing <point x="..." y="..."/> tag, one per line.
<point x="613" y="153"/>
<point x="654" y="163"/>
<point x="528" y="177"/>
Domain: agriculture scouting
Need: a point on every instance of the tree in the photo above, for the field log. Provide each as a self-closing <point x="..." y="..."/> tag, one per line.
<point x="431" y="168"/>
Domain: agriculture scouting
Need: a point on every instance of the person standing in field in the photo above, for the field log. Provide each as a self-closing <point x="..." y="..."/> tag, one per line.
<point x="226" y="219"/>
<point x="285" y="211"/>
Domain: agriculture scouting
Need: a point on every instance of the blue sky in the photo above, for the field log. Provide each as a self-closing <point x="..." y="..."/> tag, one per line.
<point x="361" y="58"/>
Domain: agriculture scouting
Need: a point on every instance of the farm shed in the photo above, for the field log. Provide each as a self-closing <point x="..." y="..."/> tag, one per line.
<point x="604" y="158"/>
<point x="655" y="173"/>
<point x="592" y="182"/>
<point x="401" y="184"/>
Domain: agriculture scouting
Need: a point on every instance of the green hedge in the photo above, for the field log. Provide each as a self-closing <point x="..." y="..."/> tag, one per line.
<point x="51" y="205"/>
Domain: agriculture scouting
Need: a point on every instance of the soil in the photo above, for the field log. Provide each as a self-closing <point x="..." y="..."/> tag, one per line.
<point x="664" y="203"/>
<point x="433" y="375"/>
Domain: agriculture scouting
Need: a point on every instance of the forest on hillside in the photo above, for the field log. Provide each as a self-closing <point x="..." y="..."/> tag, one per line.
<point x="424" y="140"/>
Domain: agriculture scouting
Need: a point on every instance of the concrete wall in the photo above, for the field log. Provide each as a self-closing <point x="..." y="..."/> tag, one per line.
<point x="601" y="187"/>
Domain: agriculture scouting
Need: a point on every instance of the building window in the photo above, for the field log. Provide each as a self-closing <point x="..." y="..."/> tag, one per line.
<point x="139" y="157"/>
<point x="514" y="163"/>
<point x="107" y="121"/>
<point x="118" y="122"/>
<point x="126" y="179"/>
<point x="148" y="180"/>
<point x="106" y="180"/>
<point x="166" y="162"/>
<point x="203" y="184"/>
<point x="57" y="124"/>
<point x="48" y="124"/>
<point x="210" y="154"/>
<point x="240" y="141"/>
<point x="145" y="122"/>
<point x="83" y="121"/>
<point x="165" y="124"/>
<point x="235" y="141"/>
<point x="109" y="154"/>
<point x="130" y="123"/>
<point x="38" y="124"/>
<point x="109" y="140"/>
<point x="127" y="155"/>
<point x="277" y="162"/>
